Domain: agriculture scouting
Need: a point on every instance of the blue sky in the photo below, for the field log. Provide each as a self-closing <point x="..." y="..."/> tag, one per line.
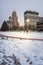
<point x="7" y="6"/>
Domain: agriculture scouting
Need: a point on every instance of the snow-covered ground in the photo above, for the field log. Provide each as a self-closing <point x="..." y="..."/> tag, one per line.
<point x="21" y="52"/>
<point x="24" y="34"/>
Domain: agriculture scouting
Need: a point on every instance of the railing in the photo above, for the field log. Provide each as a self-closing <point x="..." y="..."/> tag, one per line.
<point x="39" y="39"/>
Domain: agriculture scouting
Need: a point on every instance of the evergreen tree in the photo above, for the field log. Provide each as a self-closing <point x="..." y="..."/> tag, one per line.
<point x="4" y="26"/>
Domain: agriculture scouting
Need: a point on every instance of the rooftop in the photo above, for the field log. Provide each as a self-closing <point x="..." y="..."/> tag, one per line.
<point x="32" y="12"/>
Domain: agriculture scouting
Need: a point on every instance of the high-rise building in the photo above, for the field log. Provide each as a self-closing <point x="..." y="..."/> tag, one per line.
<point x="30" y="20"/>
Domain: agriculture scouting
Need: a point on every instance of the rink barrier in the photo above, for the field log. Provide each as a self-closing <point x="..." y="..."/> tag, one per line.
<point x="1" y="35"/>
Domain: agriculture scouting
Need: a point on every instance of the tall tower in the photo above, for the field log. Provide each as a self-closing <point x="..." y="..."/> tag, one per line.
<point x="14" y="19"/>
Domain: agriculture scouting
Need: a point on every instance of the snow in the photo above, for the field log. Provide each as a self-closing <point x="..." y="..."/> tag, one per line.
<point x="24" y="34"/>
<point x="25" y="51"/>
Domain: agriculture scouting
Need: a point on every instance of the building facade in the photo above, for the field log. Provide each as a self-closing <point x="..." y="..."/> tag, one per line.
<point x="9" y="22"/>
<point x="30" y="20"/>
<point x="40" y="26"/>
<point x="13" y="21"/>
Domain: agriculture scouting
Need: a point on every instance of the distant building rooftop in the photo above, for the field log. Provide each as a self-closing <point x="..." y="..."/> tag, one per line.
<point x="32" y="12"/>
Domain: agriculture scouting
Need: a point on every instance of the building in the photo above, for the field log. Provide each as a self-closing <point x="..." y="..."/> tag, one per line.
<point x="30" y="20"/>
<point x="13" y="21"/>
<point x="40" y="26"/>
<point x="9" y="22"/>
